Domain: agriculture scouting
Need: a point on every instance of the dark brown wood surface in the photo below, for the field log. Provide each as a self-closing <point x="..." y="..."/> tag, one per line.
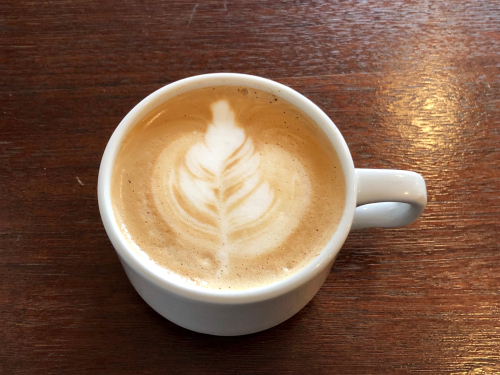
<point x="411" y="85"/>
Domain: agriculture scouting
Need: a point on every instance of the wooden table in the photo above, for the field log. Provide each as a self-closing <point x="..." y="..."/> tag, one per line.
<point x="411" y="85"/>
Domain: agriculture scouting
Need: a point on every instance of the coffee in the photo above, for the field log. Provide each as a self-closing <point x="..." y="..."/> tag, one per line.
<point x="228" y="188"/>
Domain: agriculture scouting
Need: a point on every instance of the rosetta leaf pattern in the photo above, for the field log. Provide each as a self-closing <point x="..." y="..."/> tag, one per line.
<point x="221" y="178"/>
<point x="215" y="195"/>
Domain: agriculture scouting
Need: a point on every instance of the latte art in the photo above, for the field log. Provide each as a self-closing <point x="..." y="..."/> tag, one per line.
<point x="220" y="193"/>
<point x="227" y="188"/>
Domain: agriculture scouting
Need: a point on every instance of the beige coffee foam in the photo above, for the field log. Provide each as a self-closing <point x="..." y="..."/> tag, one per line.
<point x="228" y="188"/>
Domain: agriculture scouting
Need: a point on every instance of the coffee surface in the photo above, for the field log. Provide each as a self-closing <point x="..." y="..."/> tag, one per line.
<point x="228" y="188"/>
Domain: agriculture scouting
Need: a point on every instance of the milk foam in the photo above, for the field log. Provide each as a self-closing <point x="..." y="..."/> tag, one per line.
<point x="227" y="188"/>
<point x="220" y="196"/>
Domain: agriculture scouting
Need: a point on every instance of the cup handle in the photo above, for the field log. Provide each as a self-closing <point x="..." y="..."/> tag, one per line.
<point x="388" y="198"/>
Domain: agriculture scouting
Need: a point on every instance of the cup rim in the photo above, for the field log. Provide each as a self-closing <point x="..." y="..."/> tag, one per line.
<point x="141" y="266"/>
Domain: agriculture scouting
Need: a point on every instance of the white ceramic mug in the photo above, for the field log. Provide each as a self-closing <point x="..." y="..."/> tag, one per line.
<point x="387" y="198"/>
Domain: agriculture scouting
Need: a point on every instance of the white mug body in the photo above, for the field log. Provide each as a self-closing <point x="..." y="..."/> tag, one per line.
<point x="222" y="312"/>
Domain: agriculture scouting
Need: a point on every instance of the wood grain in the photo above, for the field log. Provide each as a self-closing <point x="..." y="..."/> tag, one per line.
<point x="410" y="84"/>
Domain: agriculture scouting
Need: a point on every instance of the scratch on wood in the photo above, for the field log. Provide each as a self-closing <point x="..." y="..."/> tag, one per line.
<point x="79" y="181"/>
<point x="192" y="15"/>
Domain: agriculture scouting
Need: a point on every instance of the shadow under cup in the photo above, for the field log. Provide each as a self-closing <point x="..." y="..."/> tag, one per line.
<point x="223" y="312"/>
